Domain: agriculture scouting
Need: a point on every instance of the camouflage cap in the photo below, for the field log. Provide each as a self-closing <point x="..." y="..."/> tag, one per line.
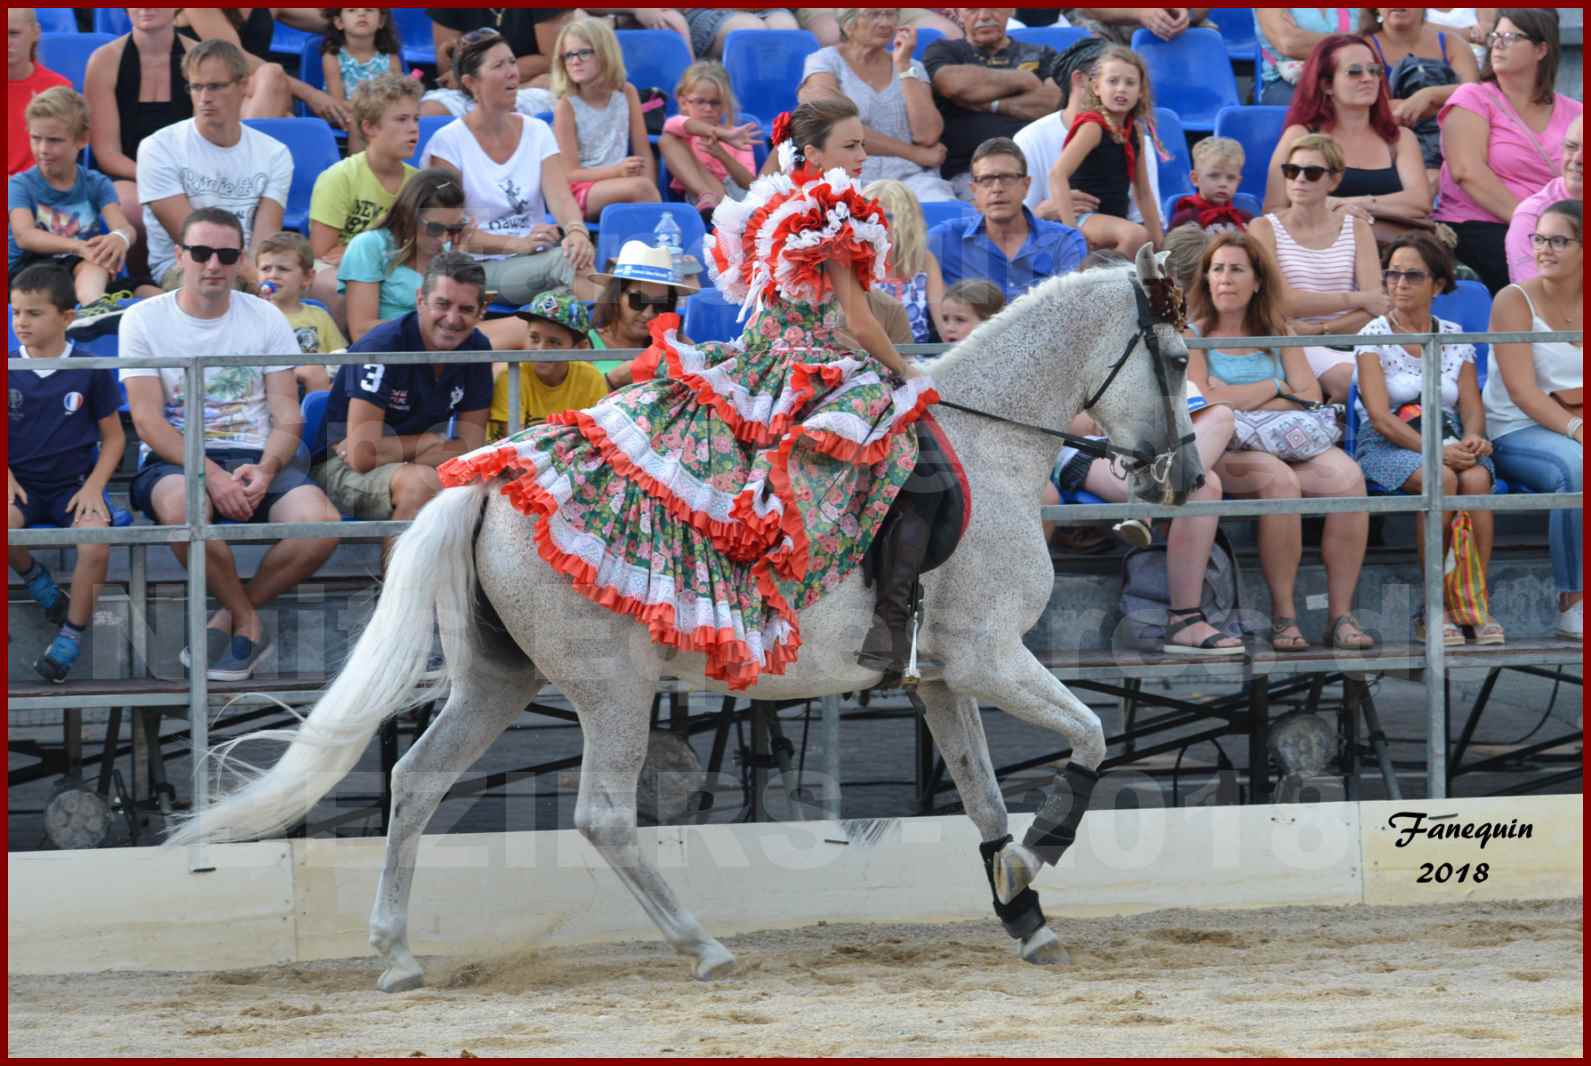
<point x="561" y="307"/>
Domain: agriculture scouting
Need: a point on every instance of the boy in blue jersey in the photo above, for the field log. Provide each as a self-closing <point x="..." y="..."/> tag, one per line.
<point x="59" y="419"/>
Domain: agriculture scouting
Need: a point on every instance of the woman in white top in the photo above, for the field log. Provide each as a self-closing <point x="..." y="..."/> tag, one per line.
<point x="1327" y="256"/>
<point x="1534" y="395"/>
<point x="512" y="172"/>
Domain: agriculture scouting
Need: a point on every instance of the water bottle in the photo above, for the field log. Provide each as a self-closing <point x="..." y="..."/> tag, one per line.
<point x="666" y="234"/>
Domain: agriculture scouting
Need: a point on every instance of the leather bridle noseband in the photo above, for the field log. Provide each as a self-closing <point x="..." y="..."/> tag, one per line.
<point x="1126" y="461"/>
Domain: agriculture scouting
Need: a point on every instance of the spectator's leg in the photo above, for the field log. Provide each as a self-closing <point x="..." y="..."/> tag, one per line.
<point x="739" y="20"/>
<point x="1342" y="543"/>
<point x="89" y="281"/>
<point x="507" y="334"/>
<point x="1276" y="94"/>
<point x="289" y="561"/>
<point x="168" y="500"/>
<point x="1259" y="474"/>
<point x="1050" y="497"/>
<point x="1334" y="382"/>
<point x="1189" y="540"/>
<point x="1416" y="485"/>
<point x="683" y="165"/>
<point x="18" y="557"/>
<point x="138" y="254"/>
<point x="637" y="190"/>
<point x="822" y="23"/>
<point x="268" y="94"/>
<point x="1481" y="248"/>
<point x="413" y="486"/>
<point x="312" y="377"/>
<point x="930" y="20"/>
<point x="1108" y="231"/>
<point x="1544" y="461"/>
<point x="779" y="19"/>
<point x="88" y="576"/>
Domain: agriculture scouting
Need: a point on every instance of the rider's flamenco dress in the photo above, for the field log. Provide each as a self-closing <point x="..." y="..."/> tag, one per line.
<point x="734" y="482"/>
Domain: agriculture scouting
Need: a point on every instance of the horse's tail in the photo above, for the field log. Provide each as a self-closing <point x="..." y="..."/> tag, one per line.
<point x="431" y="574"/>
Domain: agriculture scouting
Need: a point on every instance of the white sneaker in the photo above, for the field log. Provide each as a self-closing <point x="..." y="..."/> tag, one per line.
<point x="1571" y="623"/>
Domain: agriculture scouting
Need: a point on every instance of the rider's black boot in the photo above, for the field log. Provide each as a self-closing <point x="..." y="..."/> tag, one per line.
<point x="902" y="547"/>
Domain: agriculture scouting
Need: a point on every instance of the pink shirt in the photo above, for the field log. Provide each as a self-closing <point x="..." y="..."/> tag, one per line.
<point x="1522" y="161"/>
<point x="676" y="126"/>
<point x="1521" y="255"/>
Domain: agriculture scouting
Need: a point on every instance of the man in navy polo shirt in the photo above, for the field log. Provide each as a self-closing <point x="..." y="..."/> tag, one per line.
<point x="1004" y="242"/>
<point x="387" y="425"/>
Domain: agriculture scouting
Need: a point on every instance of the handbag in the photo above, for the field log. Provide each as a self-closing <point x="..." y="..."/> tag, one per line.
<point x="653" y="109"/>
<point x="1291" y="436"/>
<point x="1464" y="577"/>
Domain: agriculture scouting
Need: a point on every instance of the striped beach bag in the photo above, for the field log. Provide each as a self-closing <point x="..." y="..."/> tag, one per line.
<point x="1464" y="576"/>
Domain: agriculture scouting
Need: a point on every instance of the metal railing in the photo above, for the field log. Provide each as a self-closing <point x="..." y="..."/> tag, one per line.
<point x="1431" y="501"/>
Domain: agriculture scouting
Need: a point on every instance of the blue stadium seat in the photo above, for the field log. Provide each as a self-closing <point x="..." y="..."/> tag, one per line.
<point x="654" y="59"/>
<point x="314" y="150"/>
<point x="314" y="410"/>
<point x="765" y="68"/>
<point x="57" y="19"/>
<point x="67" y="53"/>
<point x="937" y="211"/>
<point x="1470" y="305"/>
<point x="429" y="124"/>
<point x="709" y="317"/>
<point x="628" y="222"/>
<point x="1258" y="128"/>
<point x="926" y="35"/>
<point x="1174" y="171"/>
<point x="416" y="42"/>
<point x="1081" y="496"/>
<point x="112" y="20"/>
<point x="11" y="334"/>
<point x="1059" y="38"/>
<point x="288" y="42"/>
<point x="1236" y="26"/>
<point x="312" y="73"/>
<point x="1242" y="201"/>
<point x="1192" y="75"/>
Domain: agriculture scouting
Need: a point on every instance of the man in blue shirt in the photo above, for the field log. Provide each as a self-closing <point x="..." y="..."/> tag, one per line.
<point x="1004" y="242"/>
<point x="387" y="426"/>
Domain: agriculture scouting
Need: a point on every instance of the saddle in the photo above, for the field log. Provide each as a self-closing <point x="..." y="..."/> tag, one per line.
<point x="938" y="490"/>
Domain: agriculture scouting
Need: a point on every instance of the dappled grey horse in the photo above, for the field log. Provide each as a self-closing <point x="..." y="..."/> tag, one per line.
<point x="511" y="624"/>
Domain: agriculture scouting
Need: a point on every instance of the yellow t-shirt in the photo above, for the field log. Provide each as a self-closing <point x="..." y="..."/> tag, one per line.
<point x="316" y="330"/>
<point x="583" y="386"/>
<point x="349" y="197"/>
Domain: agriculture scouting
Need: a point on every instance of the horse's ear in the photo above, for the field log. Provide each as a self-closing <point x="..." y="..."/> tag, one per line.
<point x="1147" y="267"/>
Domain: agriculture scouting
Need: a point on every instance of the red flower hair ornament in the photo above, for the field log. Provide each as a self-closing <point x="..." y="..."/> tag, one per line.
<point x="781" y="128"/>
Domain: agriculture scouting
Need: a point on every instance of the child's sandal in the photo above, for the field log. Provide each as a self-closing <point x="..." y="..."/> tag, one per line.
<point x="1282" y="641"/>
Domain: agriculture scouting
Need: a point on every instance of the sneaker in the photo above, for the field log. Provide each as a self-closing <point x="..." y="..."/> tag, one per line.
<point x="42" y="587"/>
<point x="216" y="642"/>
<point x="58" y="659"/>
<point x="107" y="304"/>
<point x="240" y="659"/>
<point x="1571" y="623"/>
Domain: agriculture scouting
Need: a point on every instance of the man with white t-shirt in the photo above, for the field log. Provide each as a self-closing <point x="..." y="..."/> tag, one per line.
<point x="211" y="160"/>
<point x="254" y="470"/>
<point x="1041" y="140"/>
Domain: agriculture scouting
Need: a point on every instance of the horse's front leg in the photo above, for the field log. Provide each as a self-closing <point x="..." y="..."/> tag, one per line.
<point x="958" y="732"/>
<point x="487" y="695"/>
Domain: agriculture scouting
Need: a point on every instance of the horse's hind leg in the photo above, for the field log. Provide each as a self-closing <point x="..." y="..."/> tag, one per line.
<point x="958" y="732"/>
<point x="488" y="693"/>
<point x="613" y="717"/>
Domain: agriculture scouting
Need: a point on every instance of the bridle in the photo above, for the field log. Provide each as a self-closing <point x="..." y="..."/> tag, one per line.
<point x="1167" y="308"/>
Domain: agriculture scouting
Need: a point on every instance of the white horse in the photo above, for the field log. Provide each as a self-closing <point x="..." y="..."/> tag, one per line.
<point x="510" y="624"/>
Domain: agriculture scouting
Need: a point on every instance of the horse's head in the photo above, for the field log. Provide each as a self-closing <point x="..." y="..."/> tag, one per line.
<point x="1139" y="398"/>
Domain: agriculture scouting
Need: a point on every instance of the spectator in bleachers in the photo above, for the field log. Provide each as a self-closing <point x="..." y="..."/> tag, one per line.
<point x="529" y="31"/>
<point x="387" y="425"/>
<point x="1287" y="35"/>
<point x="350" y="196"/>
<point x="709" y="156"/>
<point x="824" y="22"/>
<point x="1329" y="275"/>
<point x="1217" y="172"/>
<point x="638" y="286"/>
<point x="211" y="160"/>
<point x="710" y="25"/>
<point x="454" y="101"/>
<point x="1535" y="395"/>
<point x="1343" y="95"/>
<point x="913" y="276"/>
<point x="1473" y="24"/>
<point x="1003" y="241"/>
<point x="1237" y="296"/>
<point x="1118" y="24"/>
<point x="1570" y="186"/>
<point x="1042" y="139"/>
<point x="987" y="85"/>
<point x="60" y="211"/>
<point x="26" y="78"/>
<point x="872" y="66"/>
<point x="1102" y="156"/>
<point x="967" y="304"/>
<point x="135" y="86"/>
<point x="1184" y="249"/>
<point x="1424" y="66"/>
<point x="598" y="122"/>
<point x="647" y="18"/>
<point x="1417" y="268"/>
<point x="1502" y="138"/>
<point x="254" y="467"/>
<point x="63" y="442"/>
<point x="270" y="89"/>
<point x="512" y="171"/>
<point x="360" y="45"/>
<point x="285" y="264"/>
<point x="554" y="321"/>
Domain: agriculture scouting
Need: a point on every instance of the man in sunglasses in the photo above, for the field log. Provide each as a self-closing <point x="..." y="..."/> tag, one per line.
<point x="387" y="423"/>
<point x="253" y="469"/>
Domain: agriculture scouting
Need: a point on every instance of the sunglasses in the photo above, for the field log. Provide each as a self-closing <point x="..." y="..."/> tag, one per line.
<point x="639" y="302"/>
<point x="1557" y="241"/>
<point x="202" y="252"/>
<point x="1355" y="70"/>
<point x="485" y="33"/>
<point x="1413" y="277"/>
<point x="436" y="229"/>
<point x="1311" y="173"/>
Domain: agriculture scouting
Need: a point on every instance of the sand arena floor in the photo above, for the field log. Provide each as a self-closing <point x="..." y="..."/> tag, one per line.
<point x="1488" y="979"/>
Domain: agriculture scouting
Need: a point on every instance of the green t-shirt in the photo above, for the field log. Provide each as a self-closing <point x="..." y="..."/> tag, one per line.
<point x="599" y="344"/>
<point x="349" y="198"/>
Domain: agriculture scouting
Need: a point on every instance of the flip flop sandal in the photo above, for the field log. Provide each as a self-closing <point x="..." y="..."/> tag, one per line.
<point x="1334" y="638"/>
<point x="1209" y="646"/>
<point x="1452" y="635"/>
<point x="1280" y="641"/>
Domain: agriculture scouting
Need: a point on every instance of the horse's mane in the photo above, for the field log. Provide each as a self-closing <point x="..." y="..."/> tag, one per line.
<point x="995" y="333"/>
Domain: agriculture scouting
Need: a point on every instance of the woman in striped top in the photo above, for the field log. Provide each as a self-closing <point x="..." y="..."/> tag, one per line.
<point x="1327" y="255"/>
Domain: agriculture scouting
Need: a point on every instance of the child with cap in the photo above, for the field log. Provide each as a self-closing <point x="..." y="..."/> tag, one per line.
<point x="553" y="320"/>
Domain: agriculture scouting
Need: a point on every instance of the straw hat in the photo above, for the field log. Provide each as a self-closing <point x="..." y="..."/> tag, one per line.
<point x="639" y="261"/>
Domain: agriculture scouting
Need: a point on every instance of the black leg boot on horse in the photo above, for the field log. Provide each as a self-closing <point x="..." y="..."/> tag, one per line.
<point x="902" y="547"/>
<point x="1053" y="830"/>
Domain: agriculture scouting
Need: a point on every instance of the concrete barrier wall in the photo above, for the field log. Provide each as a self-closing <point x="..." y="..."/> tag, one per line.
<point x="282" y="901"/>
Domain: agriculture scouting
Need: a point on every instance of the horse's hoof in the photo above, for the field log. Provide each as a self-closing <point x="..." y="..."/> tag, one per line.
<point x="395" y="980"/>
<point x="1014" y="869"/>
<point x="1043" y="948"/>
<point x="713" y="963"/>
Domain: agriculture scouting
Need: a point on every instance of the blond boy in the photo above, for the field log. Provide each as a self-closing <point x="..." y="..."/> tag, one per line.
<point x="285" y="263"/>
<point x="1217" y="172"/>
